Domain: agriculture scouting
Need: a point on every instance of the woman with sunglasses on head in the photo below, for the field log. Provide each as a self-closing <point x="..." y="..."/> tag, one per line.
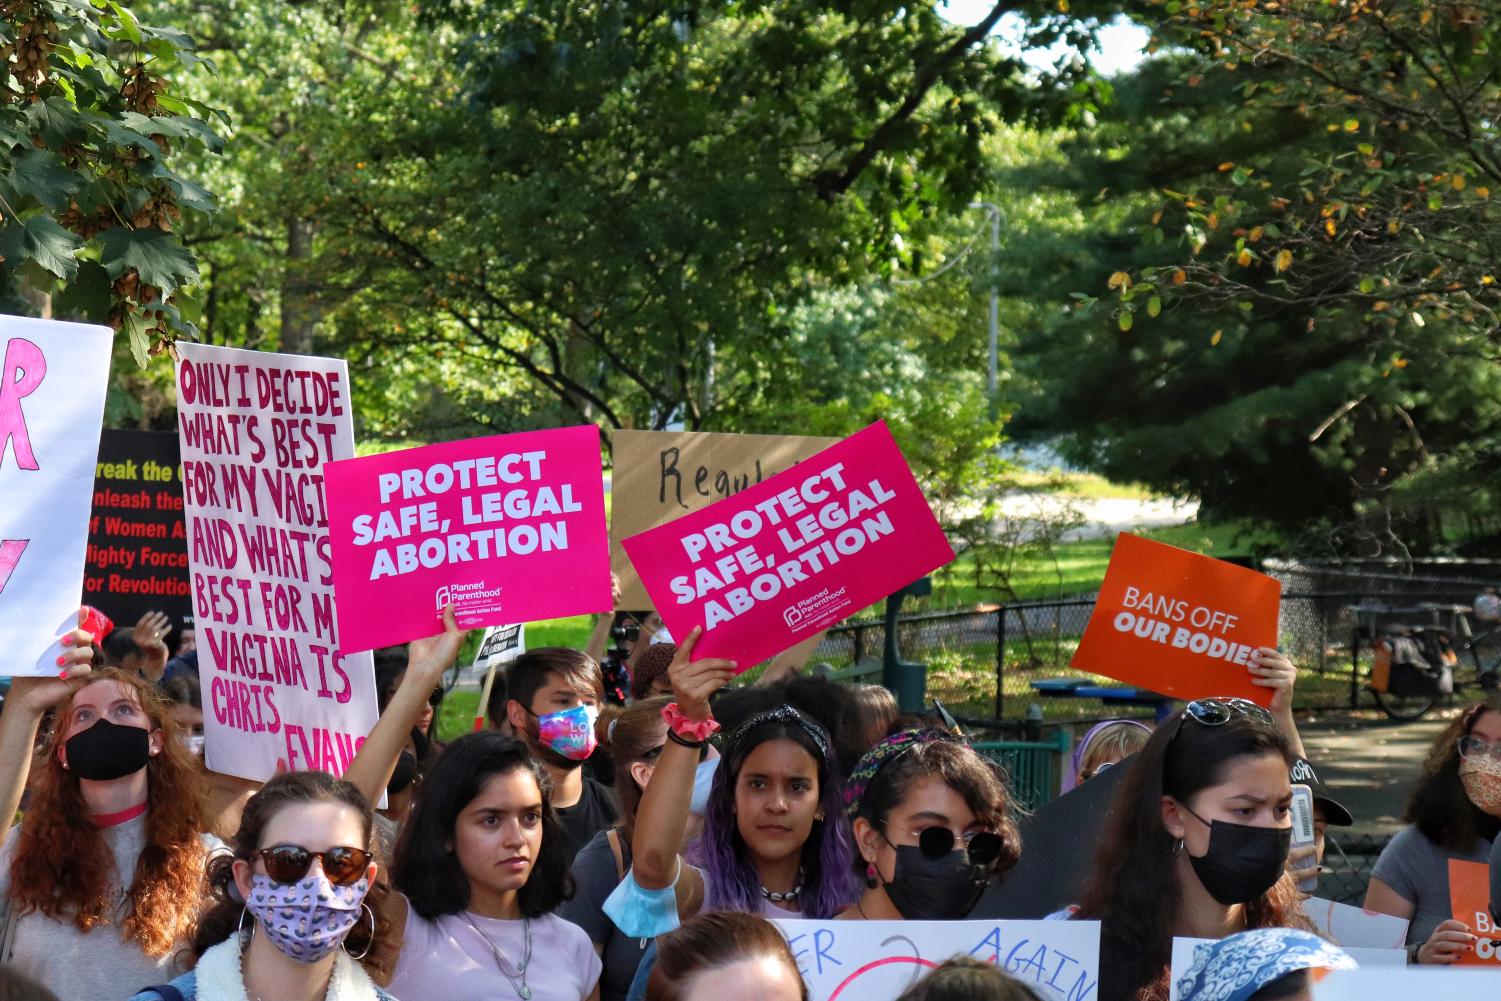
<point x="298" y="908"/>
<point x="1454" y="813"/>
<point x="1196" y="844"/>
<point x="100" y="884"/>
<point x="930" y="819"/>
<point x="635" y="737"/>
<point x="775" y="839"/>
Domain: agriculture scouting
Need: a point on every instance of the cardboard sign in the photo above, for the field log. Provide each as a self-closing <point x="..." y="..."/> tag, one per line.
<point x="1470" y="895"/>
<point x="662" y="475"/>
<point x="257" y="430"/>
<point x="1430" y="983"/>
<point x="509" y="528"/>
<point x="878" y="960"/>
<point x="52" y="382"/>
<point x="1355" y="927"/>
<point x="138" y="541"/>
<point x="1178" y="623"/>
<point x="794" y="554"/>
<point x="501" y="645"/>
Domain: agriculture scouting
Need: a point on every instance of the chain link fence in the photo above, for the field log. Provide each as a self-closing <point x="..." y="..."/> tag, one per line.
<point x="987" y="662"/>
<point x="1350" y="860"/>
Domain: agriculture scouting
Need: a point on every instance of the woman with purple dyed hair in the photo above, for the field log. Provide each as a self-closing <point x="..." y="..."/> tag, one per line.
<point x="775" y="838"/>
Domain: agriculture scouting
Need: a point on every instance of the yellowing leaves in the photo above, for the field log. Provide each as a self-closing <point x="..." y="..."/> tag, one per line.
<point x="1120" y="280"/>
<point x="1458" y="183"/>
<point x="1214" y="341"/>
<point x="1330" y="227"/>
<point x="1283" y="260"/>
<point x="1180" y="276"/>
<point x="1245" y="257"/>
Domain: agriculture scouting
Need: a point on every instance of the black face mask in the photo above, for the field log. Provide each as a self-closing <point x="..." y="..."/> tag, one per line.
<point x="932" y="882"/>
<point x="1243" y="862"/>
<point x="404" y="775"/>
<point x="108" y="751"/>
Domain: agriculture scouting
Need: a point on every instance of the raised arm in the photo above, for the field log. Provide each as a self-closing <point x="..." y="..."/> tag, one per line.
<point x="663" y="815"/>
<point x="27" y="703"/>
<point x="427" y="659"/>
<point x="790" y="661"/>
<point x="1272" y="669"/>
<point x="599" y="640"/>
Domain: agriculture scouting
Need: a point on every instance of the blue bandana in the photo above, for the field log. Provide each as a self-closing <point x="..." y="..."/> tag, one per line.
<point x="1235" y="968"/>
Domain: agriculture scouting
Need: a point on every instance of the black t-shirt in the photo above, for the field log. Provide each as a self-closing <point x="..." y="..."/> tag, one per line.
<point x="594" y="812"/>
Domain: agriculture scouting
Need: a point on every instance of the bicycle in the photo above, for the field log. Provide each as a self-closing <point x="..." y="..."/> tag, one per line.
<point x="1415" y="683"/>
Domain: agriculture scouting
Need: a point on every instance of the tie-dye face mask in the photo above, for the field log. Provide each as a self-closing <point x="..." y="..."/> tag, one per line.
<point x="570" y="732"/>
<point x="1481" y="776"/>
<point x="305" y="920"/>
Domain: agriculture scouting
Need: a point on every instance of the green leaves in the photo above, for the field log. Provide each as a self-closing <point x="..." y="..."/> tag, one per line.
<point x="155" y="256"/>
<point x="40" y="175"/>
<point x="41" y="240"/>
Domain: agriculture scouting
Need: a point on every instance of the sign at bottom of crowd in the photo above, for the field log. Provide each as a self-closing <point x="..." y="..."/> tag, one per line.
<point x="1384" y="984"/>
<point x="878" y="960"/>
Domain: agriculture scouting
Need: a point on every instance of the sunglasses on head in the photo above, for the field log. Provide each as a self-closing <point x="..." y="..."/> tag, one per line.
<point x="1218" y="712"/>
<point x="656" y="752"/>
<point x="288" y="864"/>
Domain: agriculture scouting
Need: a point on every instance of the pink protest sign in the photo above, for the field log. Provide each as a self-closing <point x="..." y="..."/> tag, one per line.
<point x="280" y="688"/>
<point x="794" y="554"/>
<point x="509" y="529"/>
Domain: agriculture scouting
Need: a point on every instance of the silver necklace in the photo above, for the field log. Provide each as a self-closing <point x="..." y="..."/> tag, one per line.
<point x="518" y="982"/>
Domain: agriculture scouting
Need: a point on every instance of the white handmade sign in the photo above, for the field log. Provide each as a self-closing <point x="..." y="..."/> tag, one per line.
<point x="52" y="382"/>
<point x="257" y="430"/>
<point x="1355" y="927"/>
<point x="878" y="960"/>
<point x="1430" y="983"/>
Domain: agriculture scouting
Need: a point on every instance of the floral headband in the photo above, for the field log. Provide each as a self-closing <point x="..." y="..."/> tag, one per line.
<point x="783" y="714"/>
<point x="883" y="754"/>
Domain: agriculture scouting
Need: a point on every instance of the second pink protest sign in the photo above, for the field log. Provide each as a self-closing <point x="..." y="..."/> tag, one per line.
<point x="794" y="554"/>
<point x="508" y="529"/>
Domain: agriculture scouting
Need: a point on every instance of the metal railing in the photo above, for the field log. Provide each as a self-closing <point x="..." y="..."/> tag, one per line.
<point x="983" y="661"/>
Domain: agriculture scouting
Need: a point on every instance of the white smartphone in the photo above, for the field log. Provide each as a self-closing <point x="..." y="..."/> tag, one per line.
<point x="1303" y="832"/>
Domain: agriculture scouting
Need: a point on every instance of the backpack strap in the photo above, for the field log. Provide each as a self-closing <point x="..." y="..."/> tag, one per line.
<point x="613" y="837"/>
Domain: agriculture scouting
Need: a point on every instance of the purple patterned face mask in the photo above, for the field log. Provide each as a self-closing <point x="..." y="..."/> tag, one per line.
<point x="570" y="732"/>
<point x="305" y="920"/>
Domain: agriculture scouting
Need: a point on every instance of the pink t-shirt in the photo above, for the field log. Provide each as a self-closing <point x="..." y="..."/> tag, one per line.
<point x="445" y="960"/>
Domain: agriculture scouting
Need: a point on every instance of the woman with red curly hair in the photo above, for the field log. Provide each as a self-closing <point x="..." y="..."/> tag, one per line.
<point x="101" y="883"/>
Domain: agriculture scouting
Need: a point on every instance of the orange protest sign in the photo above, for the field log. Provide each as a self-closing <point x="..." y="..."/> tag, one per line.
<point x="1470" y="899"/>
<point x="1178" y="623"/>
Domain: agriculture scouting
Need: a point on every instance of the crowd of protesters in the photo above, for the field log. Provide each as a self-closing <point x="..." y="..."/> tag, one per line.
<point x="626" y="831"/>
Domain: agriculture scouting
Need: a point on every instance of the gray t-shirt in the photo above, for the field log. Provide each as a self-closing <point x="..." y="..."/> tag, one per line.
<point x="1418" y="870"/>
<point x="594" y="878"/>
<point x="95" y="965"/>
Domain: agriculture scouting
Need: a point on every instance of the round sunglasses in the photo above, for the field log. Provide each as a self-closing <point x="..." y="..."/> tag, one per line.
<point x="983" y="847"/>
<point x="290" y="863"/>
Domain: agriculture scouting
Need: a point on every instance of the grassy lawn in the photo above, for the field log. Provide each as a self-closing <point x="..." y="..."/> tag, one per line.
<point x="1079" y="566"/>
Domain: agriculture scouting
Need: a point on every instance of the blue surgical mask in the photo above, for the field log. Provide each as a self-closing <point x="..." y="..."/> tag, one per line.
<point x="703" y="781"/>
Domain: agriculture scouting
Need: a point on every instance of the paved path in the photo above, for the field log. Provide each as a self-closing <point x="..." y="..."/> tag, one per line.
<point x="1103" y="516"/>
<point x="1369" y="763"/>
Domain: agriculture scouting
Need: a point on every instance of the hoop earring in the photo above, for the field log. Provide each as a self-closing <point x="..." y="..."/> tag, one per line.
<point x="369" y="944"/>
<point x="870" y="875"/>
<point x="240" y="928"/>
<point x="1178" y="847"/>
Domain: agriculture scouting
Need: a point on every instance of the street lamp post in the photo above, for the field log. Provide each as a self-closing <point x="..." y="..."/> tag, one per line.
<point x="992" y="371"/>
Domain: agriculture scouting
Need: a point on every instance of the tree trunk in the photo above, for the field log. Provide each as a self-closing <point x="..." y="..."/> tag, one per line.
<point x="299" y="312"/>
